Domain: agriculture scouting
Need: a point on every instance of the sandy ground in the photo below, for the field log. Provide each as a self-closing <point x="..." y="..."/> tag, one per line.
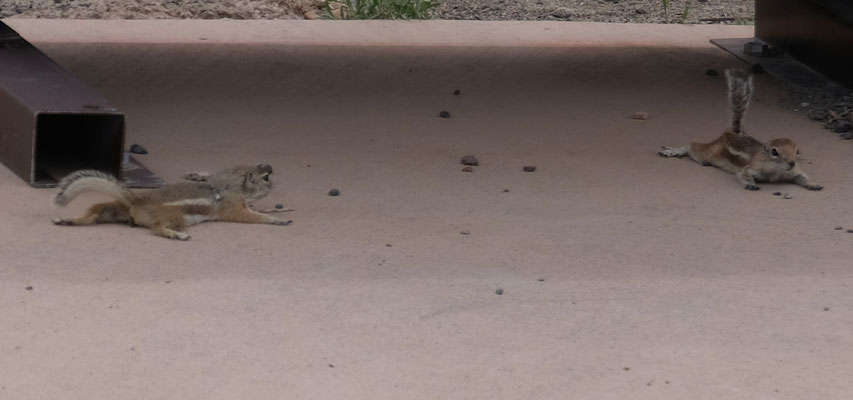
<point x="624" y="275"/>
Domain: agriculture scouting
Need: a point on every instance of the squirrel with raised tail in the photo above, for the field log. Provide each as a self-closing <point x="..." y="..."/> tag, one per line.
<point x="224" y="196"/>
<point x="740" y="154"/>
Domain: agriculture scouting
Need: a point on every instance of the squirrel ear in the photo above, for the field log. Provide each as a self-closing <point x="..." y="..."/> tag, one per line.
<point x="264" y="168"/>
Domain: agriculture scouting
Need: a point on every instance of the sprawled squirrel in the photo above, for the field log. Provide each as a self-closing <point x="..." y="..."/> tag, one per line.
<point x="224" y="196"/>
<point x="740" y="154"/>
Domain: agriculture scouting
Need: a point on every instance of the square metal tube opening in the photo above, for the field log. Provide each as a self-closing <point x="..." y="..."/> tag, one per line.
<point x="66" y="142"/>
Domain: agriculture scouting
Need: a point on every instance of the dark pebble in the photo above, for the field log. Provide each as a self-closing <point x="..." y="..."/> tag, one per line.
<point x="541" y="279"/>
<point x="562" y="14"/>
<point x="842" y="127"/>
<point x="331" y="365"/>
<point x="826" y="309"/>
<point x="444" y="114"/>
<point x="279" y="206"/>
<point x="626" y="368"/>
<point x="506" y="190"/>
<point x="818" y="115"/>
<point x="838" y="228"/>
<point x="465" y="232"/>
<point x="470" y="160"/>
<point x="850" y="231"/>
<point x="468" y="169"/>
<point x="387" y="244"/>
<point x="757" y="69"/>
<point x="137" y="149"/>
<point x="529" y="168"/>
<point x="29" y="288"/>
<point x="334" y="192"/>
<point x="499" y="292"/>
<point x="711" y="72"/>
<point x="456" y="92"/>
<point x="777" y="193"/>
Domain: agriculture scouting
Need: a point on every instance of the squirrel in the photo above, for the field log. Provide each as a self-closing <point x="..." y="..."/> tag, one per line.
<point x="224" y="196"/>
<point x="738" y="153"/>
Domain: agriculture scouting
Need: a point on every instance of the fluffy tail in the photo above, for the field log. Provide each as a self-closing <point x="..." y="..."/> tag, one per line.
<point x="87" y="179"/>
<point x="740" y="92"/>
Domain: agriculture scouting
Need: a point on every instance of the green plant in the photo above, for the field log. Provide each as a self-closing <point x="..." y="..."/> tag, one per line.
<point x="665" y="4"/>
<point x="379" y="9"/>
<point x="686" y="12"/>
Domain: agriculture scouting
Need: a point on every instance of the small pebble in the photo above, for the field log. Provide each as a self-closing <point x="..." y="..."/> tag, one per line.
<point x="387" y="244"/>
<point x="470" y="160"/>
<point x="711" y="72"/>
<point x="279" y="206"/>
<point x="777" y="193"/>
<point x="334" y="192"/>
<point x="465" y="232"/>
<point x="817" y="115"/>
<point x="506" y="190"/>
<point x="456" y="92"/>
<point x="787" y="196"/>
<point x="444" y="114"/>
<point x="137" y="149"/>
<point x="627" y="368"/>
<point x="541" y="279"/>
<point x="838" y="228"/>
<point x="850" y="231"/>
<point x="29" y="288"/>
<point x="528" y="168"/>
<point x="467" y="169"/>
<point x="640" y="115"/>
<point x="331" y="365"/>
<point x="499" y="292"/>
<point x="826" y="309"/>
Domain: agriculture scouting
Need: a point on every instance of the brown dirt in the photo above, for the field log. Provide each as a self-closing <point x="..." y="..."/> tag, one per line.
<point x="637" y="11"/>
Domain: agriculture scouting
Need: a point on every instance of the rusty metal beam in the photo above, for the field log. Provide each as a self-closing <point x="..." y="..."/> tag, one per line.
<point x="52" y="124"/>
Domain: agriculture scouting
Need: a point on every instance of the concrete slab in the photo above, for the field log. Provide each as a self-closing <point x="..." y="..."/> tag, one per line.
<point x="624" y="275"/>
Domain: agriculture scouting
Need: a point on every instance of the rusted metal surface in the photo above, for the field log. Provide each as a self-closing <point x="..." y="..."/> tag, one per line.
<point x="51" y="123"/>
<point x="819" y="33"/>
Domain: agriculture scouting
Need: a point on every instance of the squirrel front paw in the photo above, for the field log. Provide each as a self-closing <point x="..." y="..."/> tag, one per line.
<point x="814" y="187"/>
<point x="196" y="176"/>
<point x="280" y="222"/>
<point x="751" y="187"/>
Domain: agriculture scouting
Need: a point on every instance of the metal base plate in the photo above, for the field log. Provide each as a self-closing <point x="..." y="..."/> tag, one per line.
<point x="782" y="67"/>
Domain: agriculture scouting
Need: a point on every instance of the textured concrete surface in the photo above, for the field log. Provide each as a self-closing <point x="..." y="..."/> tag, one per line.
<point x="624" y="275"/>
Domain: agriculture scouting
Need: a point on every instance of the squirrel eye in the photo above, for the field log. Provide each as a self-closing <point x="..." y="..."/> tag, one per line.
<point x="267" y="177"/>
<point x="774" y="152"/>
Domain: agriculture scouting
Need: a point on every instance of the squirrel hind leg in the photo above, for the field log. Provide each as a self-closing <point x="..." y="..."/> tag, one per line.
<point x="169" y="225"/>
<point x="673" y="151"/>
